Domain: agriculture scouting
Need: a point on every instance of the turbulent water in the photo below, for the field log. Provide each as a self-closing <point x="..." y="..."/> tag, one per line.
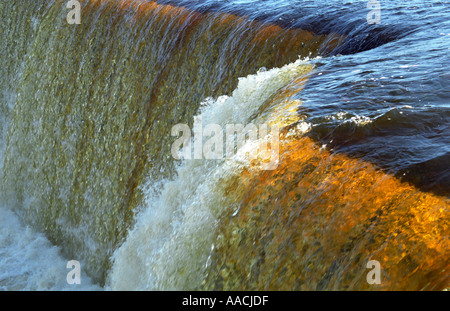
<point x="87" y="170"/>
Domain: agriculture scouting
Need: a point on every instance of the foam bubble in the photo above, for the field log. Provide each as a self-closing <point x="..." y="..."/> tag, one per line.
<point x="168" y="248"/>
<point x="28" y="261"/>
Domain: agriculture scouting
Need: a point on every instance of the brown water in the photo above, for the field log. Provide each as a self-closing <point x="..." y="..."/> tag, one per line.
<point x="87" y="112"/>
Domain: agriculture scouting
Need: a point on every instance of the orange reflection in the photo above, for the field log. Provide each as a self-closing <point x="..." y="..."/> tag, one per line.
<point x="315" y="222"/>
<point x="282" y="40"/>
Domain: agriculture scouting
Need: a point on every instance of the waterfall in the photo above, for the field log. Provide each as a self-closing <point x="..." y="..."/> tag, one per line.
<point x="86" y="113"/>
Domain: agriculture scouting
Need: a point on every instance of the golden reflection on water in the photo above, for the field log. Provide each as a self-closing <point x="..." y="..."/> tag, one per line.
<point x="96" y="102"/>
<point x="315" y="221"/>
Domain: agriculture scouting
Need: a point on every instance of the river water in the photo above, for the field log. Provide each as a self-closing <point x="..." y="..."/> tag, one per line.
<point x="359" y="90"/>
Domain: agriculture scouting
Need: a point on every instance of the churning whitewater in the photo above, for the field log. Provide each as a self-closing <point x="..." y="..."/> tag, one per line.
<point x="357" y="172"/>
<point x="176" y="228"/>
<point x="28" y="260"/>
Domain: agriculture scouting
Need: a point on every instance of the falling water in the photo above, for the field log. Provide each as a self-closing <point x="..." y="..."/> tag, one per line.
<point x="86" y="113"/>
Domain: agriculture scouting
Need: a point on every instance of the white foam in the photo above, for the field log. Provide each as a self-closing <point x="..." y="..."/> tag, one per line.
<point x="168" y="248"/>
<point x="28" y="261"/>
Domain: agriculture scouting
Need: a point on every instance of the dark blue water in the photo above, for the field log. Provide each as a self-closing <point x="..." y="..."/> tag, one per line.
<point x="402" y="88"/>
<point x="382" y="95"/>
